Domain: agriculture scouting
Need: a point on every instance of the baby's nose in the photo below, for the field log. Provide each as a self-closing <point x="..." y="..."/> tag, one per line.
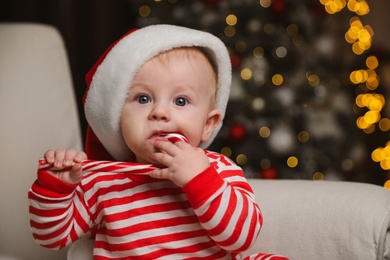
<point x="160" y="112"/>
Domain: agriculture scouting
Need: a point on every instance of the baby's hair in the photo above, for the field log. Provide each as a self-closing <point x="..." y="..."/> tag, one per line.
<point x="188" y="53"/>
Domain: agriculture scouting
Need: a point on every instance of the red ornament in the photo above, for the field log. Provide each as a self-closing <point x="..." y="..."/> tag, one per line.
<point x="235" y="61"/>
<point x="237" y="132"/>
<point x="318" y="11"/>
<point x="278" y="6"/>
<point x="269" y="173"/>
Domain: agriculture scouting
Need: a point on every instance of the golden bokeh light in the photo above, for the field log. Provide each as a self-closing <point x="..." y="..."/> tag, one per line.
<point x="384" y="124"/>
<point x="359" y="36"/>
<point x="382" y="155"/>
<point x="265" y="3"/>
<point x="229" y="31"/>
<point x="318" y="176"/>
<point x="374" y="103"/>
<point x="361" y="123"/>
<point x="359" y="7"/>
<point x="385" y="163"/>
<point x="372" y="62"/>
<point x="292" y="162"/>
<point x="265" y="132"/>
<point x="371" y="117"/>
<point x="241" y="159"/>
<point x="292" y="29"/>
<point x="303" y="136"/>
<point x="333" y="6"/>
<point x="277" y="79"/>
<point x="227" y="151"/>
<point x="144" y="10"/>
<point x="370" y="129"/>
<point x="246" y="74"/>
<point x="387" y="184"/>
<point x="258" y="52"/>
<point x="231" y="19"/>
<point x="313" y="80"/>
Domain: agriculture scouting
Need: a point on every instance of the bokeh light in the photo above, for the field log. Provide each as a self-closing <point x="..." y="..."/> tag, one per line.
<point x="277" y="79"/>
<point x="241" y="159"/>
<point x="264" y="132"/>
<point x="144" y="10"/>
<point x="318" y="176"/>
<point x="265" y="3"/>
<point x="359" y="36"/>
<point x="227" y="151"/>
<point x="333" y="6"/>
<point x="230" y="31"/>
<point x="231" y="19"/>
<point x="246" y="74"/>
<point x="292" y="162"/>
<point x="303" y="136"/>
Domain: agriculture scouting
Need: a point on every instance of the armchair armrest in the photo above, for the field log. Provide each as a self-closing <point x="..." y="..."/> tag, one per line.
<point x="323" y="220"/>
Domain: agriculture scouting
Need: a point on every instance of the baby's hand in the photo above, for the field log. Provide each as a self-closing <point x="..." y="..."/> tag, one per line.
<point x="62" y="159"/>
<point x="183" y="162"/>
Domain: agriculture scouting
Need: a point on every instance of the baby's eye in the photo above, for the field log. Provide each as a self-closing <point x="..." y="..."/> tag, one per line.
<point x="181" y="101"/>
<point x="143" y="99"/>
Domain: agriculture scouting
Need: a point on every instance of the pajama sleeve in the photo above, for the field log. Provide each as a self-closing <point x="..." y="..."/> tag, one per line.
<point x="225" y="206"/>
<point x="58" y="215"/>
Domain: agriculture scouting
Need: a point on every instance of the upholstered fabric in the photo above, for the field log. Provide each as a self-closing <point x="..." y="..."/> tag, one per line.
<point x="37" y="112"/>
<point x="324" y="220"/>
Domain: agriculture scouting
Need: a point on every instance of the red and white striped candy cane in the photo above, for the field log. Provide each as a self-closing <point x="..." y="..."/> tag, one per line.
<point x="110" y="166"/>
<point x="175" y="137"/>
<point x="104" y="166"/>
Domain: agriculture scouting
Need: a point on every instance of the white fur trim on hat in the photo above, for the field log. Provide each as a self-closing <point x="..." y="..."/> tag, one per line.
<point x="107" y="93"/>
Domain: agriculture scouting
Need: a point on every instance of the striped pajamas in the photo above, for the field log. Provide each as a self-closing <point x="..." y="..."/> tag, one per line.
<point x="131" y="216"/>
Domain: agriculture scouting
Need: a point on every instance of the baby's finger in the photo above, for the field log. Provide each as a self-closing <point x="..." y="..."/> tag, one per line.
<point x="59" y="156"/>
<point x="49" y="156"/>
<point x="160" y="174"/>
<point x="182" y="145"/>
<point x="69" y="157"/>
<point x="162" y="158"/>
<point x="76" y="173"/>
<point x="166" y="147"/>
<point x="80" y="156"/>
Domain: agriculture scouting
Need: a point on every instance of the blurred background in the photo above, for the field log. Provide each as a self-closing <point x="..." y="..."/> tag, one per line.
<point x="311" y="78"/>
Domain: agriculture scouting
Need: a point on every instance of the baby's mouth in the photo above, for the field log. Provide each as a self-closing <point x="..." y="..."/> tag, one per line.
<point x="171" y="137"/>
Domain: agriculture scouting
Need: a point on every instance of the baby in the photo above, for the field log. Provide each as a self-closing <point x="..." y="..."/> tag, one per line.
<point x="192" y="203"/>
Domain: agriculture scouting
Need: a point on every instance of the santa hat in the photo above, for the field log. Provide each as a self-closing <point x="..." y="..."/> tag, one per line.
<point x="111" y="77"/>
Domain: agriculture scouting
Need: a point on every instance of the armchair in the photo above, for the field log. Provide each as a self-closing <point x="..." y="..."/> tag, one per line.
<point x="302" y="219"/>
<point x="38" y="112"/>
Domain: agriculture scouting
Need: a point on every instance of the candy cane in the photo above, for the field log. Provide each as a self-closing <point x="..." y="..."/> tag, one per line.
<point x="110" y="166"/>
<point x="103" y="166"/>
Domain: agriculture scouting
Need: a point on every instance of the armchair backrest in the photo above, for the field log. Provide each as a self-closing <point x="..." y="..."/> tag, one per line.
<point x="38" y="112"/>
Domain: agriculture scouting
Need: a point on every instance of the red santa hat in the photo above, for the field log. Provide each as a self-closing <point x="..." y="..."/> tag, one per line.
<point x="111" y="77"/>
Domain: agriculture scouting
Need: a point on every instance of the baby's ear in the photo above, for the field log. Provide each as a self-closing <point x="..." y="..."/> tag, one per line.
<point x="213" y="119"/>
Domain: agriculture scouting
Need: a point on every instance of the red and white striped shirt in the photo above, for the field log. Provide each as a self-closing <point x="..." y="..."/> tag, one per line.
<point x="214" y="216"/>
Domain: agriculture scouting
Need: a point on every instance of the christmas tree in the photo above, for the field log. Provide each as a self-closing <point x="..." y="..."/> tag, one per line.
<point x="302" y="74"/>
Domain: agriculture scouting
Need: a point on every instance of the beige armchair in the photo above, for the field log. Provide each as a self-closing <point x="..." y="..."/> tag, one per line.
<point x="302" y="219"/>
<point x="38" y="112"/>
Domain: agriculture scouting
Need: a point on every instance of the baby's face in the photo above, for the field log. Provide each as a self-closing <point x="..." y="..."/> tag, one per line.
<point x="173" y="96"/>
